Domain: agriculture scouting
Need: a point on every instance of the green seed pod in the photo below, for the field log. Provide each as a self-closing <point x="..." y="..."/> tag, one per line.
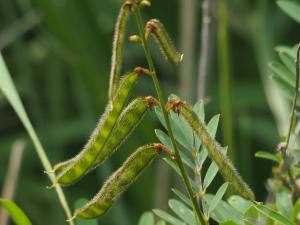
<point x="158" y="31"/>
<point x="127" y="122"/>
<point x="85" y="159"/>
<point x="214" y="150"/>
<point x="59" y="167"/>
<point x="118" y="43"/>
<point x="119" y="182"/>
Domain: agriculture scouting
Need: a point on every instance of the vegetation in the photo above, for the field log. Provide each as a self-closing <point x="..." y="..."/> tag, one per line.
<point x="188" y="145"/>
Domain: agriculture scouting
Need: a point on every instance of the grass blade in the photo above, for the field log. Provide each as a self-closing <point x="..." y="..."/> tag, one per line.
<point x="8" y="89"/>
<point x="17" y="215"/>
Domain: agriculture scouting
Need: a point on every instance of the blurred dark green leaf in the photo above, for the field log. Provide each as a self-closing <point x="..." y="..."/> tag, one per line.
<point x="291" y="8"/>
<point x="267" y="155"/>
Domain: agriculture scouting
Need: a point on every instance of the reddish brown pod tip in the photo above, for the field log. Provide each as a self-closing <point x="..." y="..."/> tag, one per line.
<point x="158" y="31"/>
<point x="142" y="70"/>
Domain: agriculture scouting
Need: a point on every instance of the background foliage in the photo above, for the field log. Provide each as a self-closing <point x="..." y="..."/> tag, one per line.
<point x="59" y="55"/>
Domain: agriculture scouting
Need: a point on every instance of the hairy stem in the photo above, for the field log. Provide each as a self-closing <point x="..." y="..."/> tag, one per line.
<point x="179" y="162"/>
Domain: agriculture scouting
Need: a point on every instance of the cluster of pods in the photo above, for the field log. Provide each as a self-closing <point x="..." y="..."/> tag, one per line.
<point x="115" y="125"/>
<point x="118" y="121"/>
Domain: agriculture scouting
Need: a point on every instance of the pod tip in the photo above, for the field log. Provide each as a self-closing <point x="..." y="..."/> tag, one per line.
<point x="142" y="70"/>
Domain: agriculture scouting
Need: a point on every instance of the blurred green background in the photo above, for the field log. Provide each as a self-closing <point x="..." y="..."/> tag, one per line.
<point x="59" y="51"/>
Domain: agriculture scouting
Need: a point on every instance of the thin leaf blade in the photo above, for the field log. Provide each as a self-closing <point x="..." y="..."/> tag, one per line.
<point x="16" y="213"/>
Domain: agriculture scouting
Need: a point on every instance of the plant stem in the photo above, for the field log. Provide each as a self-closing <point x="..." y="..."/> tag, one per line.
<point x="284" y="151"/>
<point x="203" y="70"/>
<point x="187" y="24"/>
<point x="46" y="164"/>
<point x="13" y="98"/>
<point x="205" y="49"/>
<point x="179" y="162"/>
<point x="225" y="77"/>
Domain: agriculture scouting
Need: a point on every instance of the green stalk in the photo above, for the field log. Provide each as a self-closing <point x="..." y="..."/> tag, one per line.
<point x="9" y="91"/>
<point x="225" y="78"/>
<point x="284" y="151"/>
<point x="179" y="162"/>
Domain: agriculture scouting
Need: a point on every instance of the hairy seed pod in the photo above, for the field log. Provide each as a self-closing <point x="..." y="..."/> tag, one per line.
<point x="127" y="122"/>
<point x="85" y="159"/>
<point x="61" y="166"/>
<point x="214" y="150"/>
<point x="119" y="182"/>
<point x="119" y="37"/>
<point x="158" y="31"/>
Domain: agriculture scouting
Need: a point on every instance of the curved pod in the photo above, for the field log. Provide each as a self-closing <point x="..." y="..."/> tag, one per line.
<point x="118" y="43"/>
<point x="129" y="119"/>
<point x="158" y="31"/>
<point x="85" y="159"/>
<point x="214" y="150"/>
<point x="119" y="181"/>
